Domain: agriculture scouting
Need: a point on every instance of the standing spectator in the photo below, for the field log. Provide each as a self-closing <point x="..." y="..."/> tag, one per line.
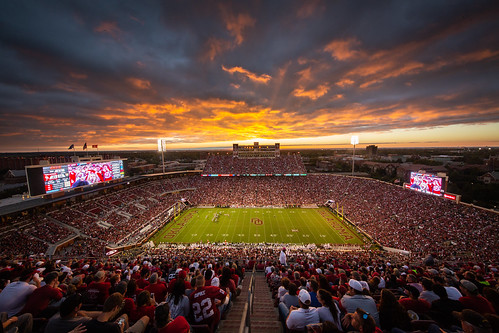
<point x="300" y="317"/>
<point x="282" y="257"/>
<point x="38" y="302"/>
<point x="204" y="301"/>
<point x="472" y="300"/>
<point x="98" y="290"/>
<point x="355" y="298"/>
<point x="14" y="296"/>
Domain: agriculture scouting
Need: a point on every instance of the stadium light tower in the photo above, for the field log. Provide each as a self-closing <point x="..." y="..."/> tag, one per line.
<point x="355" y="141"/>
<point x="162" y="148"/>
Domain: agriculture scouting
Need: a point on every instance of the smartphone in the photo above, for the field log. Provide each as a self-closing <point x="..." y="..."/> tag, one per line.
<point x="152" y="295"/>
<point x="121" y="321"/>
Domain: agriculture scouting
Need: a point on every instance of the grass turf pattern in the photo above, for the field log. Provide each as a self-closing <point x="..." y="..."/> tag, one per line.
<point x="257" y="225"/>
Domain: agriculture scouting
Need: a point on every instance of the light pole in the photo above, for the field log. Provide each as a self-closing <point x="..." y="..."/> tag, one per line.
<point x="162" y="147"/>
<point x="355" y="141"/>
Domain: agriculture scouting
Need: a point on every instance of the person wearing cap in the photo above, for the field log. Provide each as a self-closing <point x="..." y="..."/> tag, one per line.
<point x="98" y="290"/>
<point x="299" y="318"/>
<point x="472" y="321"/>
<point x="282" y="257"/>
<point x="14" y="296"/>
<point x="412" y="302"/>
<point x="355" y="298"/>
<point x="38" y="302"/>
<point x="70" y="315"/>
<point x="157" y="288"/>
<point x="472" y="300"/>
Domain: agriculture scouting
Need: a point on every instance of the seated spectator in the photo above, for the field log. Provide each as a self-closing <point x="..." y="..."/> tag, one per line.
<point x="355" y="298"/>
<point x="98" y="290"/>
<point x="413" y="303"/>
<point x="472" y="300"/>
<point x="21" y="324"/>
<point x="283" y="289"/>
<point x="361" y="321"/>
<point x="178" y="301"/>
<point x="472" y="321"/>
<point x="39" y="301"/>
<point x="314" y="287"/>
<point x="227" y="282"/>
<point x="492" y="295"/>
<point x="428" y="294"/>
<point x="70" y="315"/>
<point x="157" y="288"/>
<point x="441" y="310"/>
<point x="103" y="322"/>
<point x="145" y="306"/>
<point x="391" y="313"/>
<point x="291" y="297"/>
<point x="328" y="311"/>
<point x="299" y="318"/>
<point x="14" y="296"/>
<point x="165" y="324"/>
<point x="452" y="292"/>
<point x="144" y="276"/>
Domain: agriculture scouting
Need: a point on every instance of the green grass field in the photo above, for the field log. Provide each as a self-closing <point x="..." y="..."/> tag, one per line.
<point x="257" y="225"/>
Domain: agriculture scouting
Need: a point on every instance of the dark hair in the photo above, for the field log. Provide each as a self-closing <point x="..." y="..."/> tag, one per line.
<point x="51" y="277"/>
<point x="112" y="301"/>
<point x="285" y="282"/>
<point x="225" y="278"/>
<point x="178" y="291"/>
<point x="427" y="284"/>
<point x="161" y="315"/>
<point x="292" y="289"/>
<point x="366" y="321"/>
<point x="440" y="291"/>
<point x="131" y="288"/>
<point x="144" y="298"/>
<point x="328" y="300"/>
<point x="390" y="306"/>
<point x="69" y="304"/>
<point x="314" y="285"/>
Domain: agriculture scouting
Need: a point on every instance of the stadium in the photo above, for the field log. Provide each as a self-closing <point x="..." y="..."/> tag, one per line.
<point x="240" y="212"/>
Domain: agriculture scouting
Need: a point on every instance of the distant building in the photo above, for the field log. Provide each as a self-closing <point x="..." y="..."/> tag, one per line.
<point x="371" y="151"/>
<point x="15" y="177"/>
<point x="490" y="178"/>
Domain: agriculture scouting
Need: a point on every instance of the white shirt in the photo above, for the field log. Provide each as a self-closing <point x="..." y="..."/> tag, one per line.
<point x="14" y="297"/>
<point x="325" y="315"/>
<point x="453" y="293"/>
<point x="298" y="319"/>
<point x="282" y="258"/>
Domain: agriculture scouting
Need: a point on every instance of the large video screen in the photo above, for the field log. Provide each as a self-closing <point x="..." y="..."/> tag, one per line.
<point x="54" y="178"/>
<point x="426" y="183"/>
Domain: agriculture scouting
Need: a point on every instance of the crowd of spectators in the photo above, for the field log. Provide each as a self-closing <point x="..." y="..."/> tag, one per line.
<point x="323" y="285"/>
<point x="230" y="164"/>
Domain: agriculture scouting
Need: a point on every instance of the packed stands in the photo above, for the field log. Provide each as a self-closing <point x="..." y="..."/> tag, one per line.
<point x="228" y="164"/>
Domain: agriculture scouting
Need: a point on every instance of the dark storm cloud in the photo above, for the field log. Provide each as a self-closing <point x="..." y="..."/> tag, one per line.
<point x="126" y="71"/>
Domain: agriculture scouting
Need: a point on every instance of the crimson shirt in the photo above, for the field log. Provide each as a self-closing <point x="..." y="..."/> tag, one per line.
<point x="203" y="306"/>
<point x="40" y="299"/>
<point x="159" y="291"/>
<point x="177" y="325"/>
<point x="477" y="303"/>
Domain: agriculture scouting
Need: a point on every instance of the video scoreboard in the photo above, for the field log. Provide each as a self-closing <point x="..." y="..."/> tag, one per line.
<point x="60" y="177"/>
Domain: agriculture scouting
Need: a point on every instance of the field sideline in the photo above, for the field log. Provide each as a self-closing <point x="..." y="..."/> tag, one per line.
<point x="257" y="225"/>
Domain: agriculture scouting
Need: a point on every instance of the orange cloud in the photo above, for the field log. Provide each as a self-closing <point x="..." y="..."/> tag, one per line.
<point x="215" y="47"/>
<point x="236" y="24"/>
<point x="264" y="78"/>
<point x="345" y="83"/>
<point x="343" y="49"/>
<point x="313" y="94"/>
<point x="110" y="28"/>
<point x="139" y="83"/>
<point x="79" y="76"/>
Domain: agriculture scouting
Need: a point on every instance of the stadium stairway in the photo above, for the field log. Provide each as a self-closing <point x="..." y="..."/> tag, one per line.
<point x="263" y="319"/>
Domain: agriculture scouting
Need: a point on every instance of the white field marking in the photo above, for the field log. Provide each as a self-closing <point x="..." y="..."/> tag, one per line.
<point x="306" y="235"/>
<point x="225" y="235"/>
<point x="324" y="236"/>
<point x="256" y="235"/>
<point x="194" y="234"/>
<point x="273" y="235"/>
<point x="209" y="234"/>
<point x="240" y="235"/>
<point x="289" y="235"/>
<point x="280" y="212"/>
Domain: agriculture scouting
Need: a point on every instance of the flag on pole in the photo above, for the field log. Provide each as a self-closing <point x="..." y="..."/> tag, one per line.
<point x="72" y="146"/>
<point x="95" y="146"/>
<point x="85" y="146"/>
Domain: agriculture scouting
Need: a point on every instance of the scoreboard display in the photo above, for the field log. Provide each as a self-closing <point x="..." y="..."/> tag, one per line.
<point x="60" y="177"/>
<point x="426" y="183"/>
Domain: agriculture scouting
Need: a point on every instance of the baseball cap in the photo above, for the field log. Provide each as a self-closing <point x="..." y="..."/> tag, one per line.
<point x="470" y="286"/>
<point x="304" y="297"/>
<point x="355" y="284"/>
<point x="215" y="282"/>
<point x="182" y="274"/>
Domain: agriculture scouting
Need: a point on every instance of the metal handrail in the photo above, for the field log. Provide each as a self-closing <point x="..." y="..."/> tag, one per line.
<point x="245" y="326"/>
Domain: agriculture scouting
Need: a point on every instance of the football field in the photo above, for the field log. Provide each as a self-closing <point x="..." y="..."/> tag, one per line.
<point x="257" y="225"/>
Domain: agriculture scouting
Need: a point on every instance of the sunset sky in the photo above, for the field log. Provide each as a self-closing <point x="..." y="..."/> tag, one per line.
<point x="203" y="74"/>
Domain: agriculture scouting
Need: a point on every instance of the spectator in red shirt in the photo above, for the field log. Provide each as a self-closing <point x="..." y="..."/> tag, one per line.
<point x="413" y="302"/>
<point x="98" y="290"/>
<point x="157" y="288"/>
<point x="472" y="300"/>
<point x="165" y="324"/>
<point x="144" y="275"/>
<point x="181" y="275"/>
<point x="145" y="306"/>
<point x="38" y="302"/>
<point x="204" y="303"/>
